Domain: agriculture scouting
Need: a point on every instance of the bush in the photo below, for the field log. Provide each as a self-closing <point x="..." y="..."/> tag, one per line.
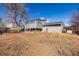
<point x="77" y="32"/>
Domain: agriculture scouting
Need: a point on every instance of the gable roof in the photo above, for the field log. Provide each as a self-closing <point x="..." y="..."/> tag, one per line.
<point x="53" y="24"/>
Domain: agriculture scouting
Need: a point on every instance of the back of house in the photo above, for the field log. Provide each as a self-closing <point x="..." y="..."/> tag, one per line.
<point x="43" y="25"/>
<point x="35" y="25"/>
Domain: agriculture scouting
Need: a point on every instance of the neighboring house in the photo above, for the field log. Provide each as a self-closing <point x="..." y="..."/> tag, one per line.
<point x="9" y="25"/>
<point x="75" y="29"/>
<point x="14" y="28"/>
<point x="2" y="25"/>
<point x="53" y="27"/>
<point x="35" y="25"/>
<point x="69" y="29"/>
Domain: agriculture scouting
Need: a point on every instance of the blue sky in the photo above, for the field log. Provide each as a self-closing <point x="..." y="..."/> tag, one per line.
<point x="51" y="11"/>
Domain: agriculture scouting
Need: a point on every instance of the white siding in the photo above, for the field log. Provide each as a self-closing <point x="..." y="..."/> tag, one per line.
<point x="39" y="24"/>
<point x="52" y="28"/>
<point x="69" y="31"/>
<point x="31" y="24"/>
<point x="34" y="24"/>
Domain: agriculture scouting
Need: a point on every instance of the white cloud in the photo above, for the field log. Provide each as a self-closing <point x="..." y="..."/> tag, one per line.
<point x="42" y="18"/>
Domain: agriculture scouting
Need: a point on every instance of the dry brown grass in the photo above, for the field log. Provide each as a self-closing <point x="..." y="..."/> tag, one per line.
<point x="39" y="43"/>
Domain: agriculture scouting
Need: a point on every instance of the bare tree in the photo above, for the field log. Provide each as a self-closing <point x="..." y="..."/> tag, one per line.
<point x="17" y="11"/>
<point x="75" y="22"/>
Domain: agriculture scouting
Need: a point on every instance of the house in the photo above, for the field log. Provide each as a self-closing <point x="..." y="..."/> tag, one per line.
<point x="53" y="27"/>
<point x="35" y="25"/>
<point x="43" y="25"/>
<point x="1" y="25"/>
<point x="13" y="27"/>
<point x="75" y="29"/>
<point x="69" y="29"/>
<point x="9" y="25"/>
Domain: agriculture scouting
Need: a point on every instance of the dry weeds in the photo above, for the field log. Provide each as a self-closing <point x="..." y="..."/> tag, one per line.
<point x="39" y="43"/>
